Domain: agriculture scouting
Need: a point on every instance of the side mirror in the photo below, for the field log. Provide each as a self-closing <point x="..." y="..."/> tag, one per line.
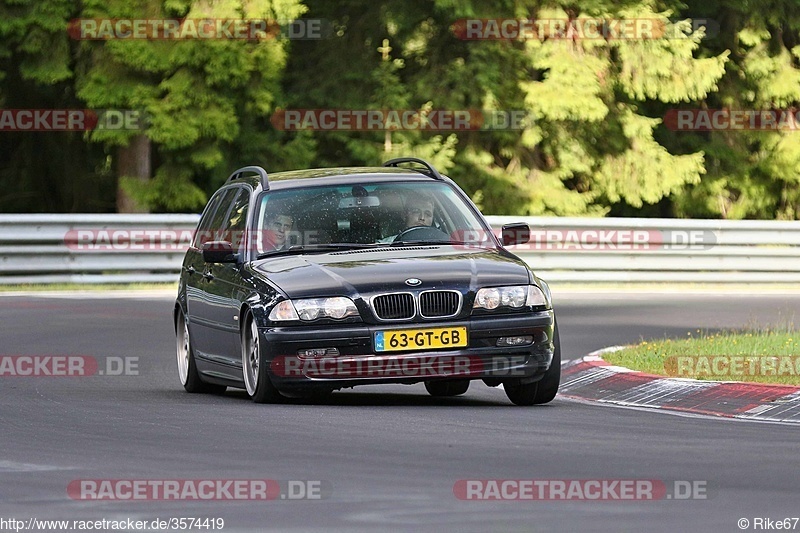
<point x="516" y="233"/>
<point x="219" y="252"/>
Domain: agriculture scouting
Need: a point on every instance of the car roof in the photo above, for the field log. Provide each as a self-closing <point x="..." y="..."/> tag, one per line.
<point x="336" y="176"/>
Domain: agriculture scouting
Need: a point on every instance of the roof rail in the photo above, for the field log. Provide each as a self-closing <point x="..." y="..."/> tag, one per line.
<point x="262" y="174"/>
<point x="431" y="169"/>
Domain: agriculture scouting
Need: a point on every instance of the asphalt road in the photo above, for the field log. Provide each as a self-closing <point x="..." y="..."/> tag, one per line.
<point x="388" y="457"/>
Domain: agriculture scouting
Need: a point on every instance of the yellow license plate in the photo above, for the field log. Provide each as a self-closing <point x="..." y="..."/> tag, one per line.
<point x="420" y="339"/>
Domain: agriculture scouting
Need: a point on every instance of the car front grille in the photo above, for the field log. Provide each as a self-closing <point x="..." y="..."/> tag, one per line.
<point x="439" y="303"/>
<point x="403" y="305"/>
<point x="396" y="306"/>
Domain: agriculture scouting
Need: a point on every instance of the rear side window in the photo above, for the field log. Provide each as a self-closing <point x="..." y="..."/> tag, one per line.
<point x="213" y="219"/>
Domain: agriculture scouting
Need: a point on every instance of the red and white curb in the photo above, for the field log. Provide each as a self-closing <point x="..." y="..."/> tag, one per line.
<point x="593" y="379"/>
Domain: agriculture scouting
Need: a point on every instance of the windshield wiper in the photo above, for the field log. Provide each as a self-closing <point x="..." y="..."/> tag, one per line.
<point x="315" y="248"/>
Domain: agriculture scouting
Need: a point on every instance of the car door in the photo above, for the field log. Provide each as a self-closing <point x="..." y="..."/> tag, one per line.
<point x="224" y="287"/>
<point x="199" y="308"/>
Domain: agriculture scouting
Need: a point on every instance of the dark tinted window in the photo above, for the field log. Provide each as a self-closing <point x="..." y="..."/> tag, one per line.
<point x="237" y="219"/>
<point x="205" y="220"/>
<point x="214" y="220"/>
<point x="371" y="213"/>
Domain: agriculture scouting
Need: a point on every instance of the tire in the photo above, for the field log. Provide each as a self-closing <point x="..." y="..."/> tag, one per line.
<point x="441" y="389"/>
<point x="544" y="390"/>
<point x="254" y="369"/>
<point x="187" y="368"/>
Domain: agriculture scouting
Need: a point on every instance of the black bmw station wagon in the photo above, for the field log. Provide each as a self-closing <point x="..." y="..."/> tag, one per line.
<point x="304" y="282"/>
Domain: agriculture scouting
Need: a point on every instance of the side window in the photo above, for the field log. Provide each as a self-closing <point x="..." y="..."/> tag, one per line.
<point x="237" y="219"/>
<point x="213" y="221"/>
<point x="205" y="220"/>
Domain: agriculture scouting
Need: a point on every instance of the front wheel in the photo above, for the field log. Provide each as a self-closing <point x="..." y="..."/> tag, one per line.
<point x="187" y="368"/>
<point x="544" y="390"/>
<point x="255" y="374"/>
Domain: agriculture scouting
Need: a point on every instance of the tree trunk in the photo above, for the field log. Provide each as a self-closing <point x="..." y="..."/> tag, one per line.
<point x="133" y="161"/>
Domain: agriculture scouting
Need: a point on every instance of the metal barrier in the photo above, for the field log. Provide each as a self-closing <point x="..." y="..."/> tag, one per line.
<point x="48" y="249"/>
<point x="149" y="248"/>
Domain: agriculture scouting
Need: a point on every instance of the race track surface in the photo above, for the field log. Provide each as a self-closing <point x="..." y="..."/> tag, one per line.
<point x="386" y="456"/>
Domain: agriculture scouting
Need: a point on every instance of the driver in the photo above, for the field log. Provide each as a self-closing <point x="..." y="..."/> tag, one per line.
<point x="279" y="227"/>
<point x="419" y="212"/>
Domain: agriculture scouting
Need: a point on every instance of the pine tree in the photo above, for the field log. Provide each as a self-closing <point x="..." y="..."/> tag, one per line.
<point x="195" y="93"/>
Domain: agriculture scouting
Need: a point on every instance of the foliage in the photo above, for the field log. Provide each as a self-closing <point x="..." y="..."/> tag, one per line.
<point x="593" y="143"/>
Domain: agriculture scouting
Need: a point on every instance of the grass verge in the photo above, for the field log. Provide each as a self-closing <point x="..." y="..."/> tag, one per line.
<point x="760" y="356"/>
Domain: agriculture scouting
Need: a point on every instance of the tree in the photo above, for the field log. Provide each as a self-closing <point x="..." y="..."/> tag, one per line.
<point x="593" y="139"/>
<point x="751" y="174"/>
<point x="195" y="93"/>
<point x="37" y="64"/>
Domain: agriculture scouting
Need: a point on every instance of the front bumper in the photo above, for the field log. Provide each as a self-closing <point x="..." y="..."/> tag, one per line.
<point x="357" y="363"/>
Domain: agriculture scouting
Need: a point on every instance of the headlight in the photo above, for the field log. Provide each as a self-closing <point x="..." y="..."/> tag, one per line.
<point x="313" y="308"/>
<point x="514" y="297"/>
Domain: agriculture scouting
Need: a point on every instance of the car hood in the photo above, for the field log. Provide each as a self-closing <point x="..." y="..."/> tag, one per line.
<point x="360" y="272"/>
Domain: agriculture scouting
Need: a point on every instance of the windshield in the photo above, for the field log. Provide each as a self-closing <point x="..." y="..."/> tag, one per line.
<point x="387" y="213"/>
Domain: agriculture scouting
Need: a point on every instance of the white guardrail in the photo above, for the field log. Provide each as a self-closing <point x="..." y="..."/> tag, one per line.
<point x="149" y="248"/>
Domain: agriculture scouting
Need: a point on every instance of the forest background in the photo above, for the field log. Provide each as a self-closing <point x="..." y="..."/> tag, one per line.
<point x="596" y="140"/>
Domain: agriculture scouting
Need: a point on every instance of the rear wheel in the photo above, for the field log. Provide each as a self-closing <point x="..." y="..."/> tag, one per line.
<point x="447" y="388"/>
<point x="544" y="390"/>
<point x="256" y="377"/>
<point x="187" y="369"/>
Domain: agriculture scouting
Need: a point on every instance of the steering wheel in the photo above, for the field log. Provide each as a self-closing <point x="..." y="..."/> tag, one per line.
<point x="421" y="233"/>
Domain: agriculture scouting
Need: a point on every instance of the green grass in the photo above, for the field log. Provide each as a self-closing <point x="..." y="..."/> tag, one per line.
<point x="767" y="355"/>
<point x="74" y="287"/>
